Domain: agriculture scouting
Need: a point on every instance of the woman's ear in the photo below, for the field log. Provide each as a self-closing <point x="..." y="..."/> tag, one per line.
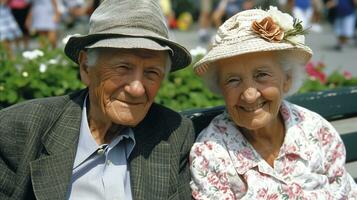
<point x="287" y="82"/>
<point x="83" y="67"/>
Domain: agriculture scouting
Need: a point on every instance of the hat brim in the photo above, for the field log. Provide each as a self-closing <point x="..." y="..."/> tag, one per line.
<point x="219" y="52"/>
<point x="130" y="43"/>
<point x="180" y="57"/>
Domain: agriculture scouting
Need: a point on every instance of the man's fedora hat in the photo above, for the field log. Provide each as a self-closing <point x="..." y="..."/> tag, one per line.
<point x="129" y="24"/>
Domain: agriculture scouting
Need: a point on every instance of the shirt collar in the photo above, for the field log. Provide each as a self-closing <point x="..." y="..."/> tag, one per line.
<point x="240" y="151"/>
<point x="87" y="145"/>
<point x="295" y="138"/>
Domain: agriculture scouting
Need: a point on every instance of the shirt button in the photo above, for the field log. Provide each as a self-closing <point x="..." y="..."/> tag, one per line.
<point x="109" y="162"/>
<point x="100" y="151"/>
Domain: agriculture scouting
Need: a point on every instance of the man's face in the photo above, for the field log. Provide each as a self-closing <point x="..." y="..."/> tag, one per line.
<point x="123" y="83"/>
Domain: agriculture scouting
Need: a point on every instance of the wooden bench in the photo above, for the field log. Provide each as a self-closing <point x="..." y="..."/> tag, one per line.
<point x="339" y="106"/>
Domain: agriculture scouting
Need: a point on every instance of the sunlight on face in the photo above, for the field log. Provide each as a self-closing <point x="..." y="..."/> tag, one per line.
<point x="253" y="86"/>
<point x="123" y="84"/>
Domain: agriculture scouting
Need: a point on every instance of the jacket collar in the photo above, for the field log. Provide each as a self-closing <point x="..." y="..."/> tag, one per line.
<point x="150" y="161"/>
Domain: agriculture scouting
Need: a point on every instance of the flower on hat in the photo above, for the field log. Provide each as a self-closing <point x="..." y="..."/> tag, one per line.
<point x="278" y="26"/>
<point x="269" y="30"/>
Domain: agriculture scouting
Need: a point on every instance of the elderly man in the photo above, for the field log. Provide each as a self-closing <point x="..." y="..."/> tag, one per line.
<point x="108" y="141"/>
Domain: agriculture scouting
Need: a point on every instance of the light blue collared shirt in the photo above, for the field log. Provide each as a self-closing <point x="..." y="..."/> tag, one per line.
<point x="101" y="172"/>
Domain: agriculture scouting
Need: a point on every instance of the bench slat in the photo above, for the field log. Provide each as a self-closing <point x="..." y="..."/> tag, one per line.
<point x="331" y="104"/>
<point x="350" y="141"/>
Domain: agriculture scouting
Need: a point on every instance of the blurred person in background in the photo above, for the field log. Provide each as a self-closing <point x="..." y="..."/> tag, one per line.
<point x="228" y="8"/>
<point x="43" y="19"/>
<point x="20" y="10"/>
<point x="169" y="13"/>
<point x="205" y="20"/>
<point x="302" y="10"/>
<point x="73" y="10"/>
<point x="318" y="10"/>
<point x="308" y="11"/>
<point x="9" y="29"/>
<point x="344" y="20"/>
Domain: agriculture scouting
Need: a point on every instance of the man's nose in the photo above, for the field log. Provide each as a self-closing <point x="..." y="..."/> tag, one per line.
<point x="250" y="95"/>
<point x="135" y="88"/>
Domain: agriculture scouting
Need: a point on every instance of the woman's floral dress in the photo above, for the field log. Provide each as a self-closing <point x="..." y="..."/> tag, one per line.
<point x="310" y="164"/>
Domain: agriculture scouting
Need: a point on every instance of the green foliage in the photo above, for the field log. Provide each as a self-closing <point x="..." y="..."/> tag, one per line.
<point x="184" y="90"/>
<point x="47" y="73"/>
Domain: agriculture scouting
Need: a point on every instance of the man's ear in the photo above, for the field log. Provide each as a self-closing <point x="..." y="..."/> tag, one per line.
<point x="83" y="67"/>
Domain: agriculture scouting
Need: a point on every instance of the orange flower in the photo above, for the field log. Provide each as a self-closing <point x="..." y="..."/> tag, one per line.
<point x="267" y="29"/>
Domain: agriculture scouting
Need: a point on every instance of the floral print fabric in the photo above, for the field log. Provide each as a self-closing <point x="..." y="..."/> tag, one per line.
<point x="310" y="164"/>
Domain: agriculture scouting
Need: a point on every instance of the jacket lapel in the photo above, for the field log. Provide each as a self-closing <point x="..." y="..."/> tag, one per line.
<point x="150" y="161"/>
<point x="51" y="173"/>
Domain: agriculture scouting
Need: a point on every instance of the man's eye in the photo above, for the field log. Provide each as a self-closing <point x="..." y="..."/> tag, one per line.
<point x="121" y="68"/>
<point x="153" y="73"/>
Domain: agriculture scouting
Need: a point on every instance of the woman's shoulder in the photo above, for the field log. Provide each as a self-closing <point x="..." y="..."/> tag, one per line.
<point x="300" y="114"/>
<point x="310" y="122"/>
<point x="219" y="124"/>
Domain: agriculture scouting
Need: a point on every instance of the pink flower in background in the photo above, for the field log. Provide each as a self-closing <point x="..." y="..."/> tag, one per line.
<point x="347" y="75"/>
<point x="316" y="71"/>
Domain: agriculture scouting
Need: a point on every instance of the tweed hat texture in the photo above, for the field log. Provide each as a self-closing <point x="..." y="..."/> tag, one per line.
<point x="236" y="37"/>
<point x="129" y="24"/>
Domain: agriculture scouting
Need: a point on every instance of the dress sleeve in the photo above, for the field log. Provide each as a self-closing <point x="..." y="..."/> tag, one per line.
<point x="342" y="185"/>
<point x="210" y="170"/>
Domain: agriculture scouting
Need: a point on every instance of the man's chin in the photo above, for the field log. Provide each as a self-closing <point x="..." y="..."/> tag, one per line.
<point x="128" y="119"/>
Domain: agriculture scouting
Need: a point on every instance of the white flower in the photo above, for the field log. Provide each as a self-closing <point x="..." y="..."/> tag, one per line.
<point x="2" y="88"/>
<point x="198" y="51"/>
<point x="42" y="68"/>
<point x="284" y="20"/>
<point x="53" y="61"/>
<point x="30" y="55"/>
<point x="297" y="39"/>
<point x="65" y="39"/>
<point x="25" y="74"/>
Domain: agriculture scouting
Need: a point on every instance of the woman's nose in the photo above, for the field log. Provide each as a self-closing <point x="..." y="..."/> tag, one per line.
<point x="135" y="88"/>
<point x="250" y="95"/>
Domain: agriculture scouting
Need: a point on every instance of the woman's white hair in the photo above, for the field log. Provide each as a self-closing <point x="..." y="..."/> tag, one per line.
<point x="93" y="54"/>
<point x="292" y="66"/>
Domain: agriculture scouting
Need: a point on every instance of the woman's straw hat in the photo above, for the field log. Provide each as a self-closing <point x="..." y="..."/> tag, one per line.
<point x="256" y="30"/>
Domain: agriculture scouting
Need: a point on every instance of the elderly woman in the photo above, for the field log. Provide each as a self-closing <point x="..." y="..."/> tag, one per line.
<point x="264" y="147"/>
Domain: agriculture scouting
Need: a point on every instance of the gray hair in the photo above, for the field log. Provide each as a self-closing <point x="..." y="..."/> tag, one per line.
<point x="93" y="54"/>
<point x="291" y="65"/>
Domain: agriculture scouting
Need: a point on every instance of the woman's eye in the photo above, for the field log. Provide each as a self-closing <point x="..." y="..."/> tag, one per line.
<point x="232" y="80"/>
<point x="262" y="75"/>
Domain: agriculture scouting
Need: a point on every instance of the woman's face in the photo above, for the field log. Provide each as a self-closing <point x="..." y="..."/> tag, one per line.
<point x="253" y="86"/>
